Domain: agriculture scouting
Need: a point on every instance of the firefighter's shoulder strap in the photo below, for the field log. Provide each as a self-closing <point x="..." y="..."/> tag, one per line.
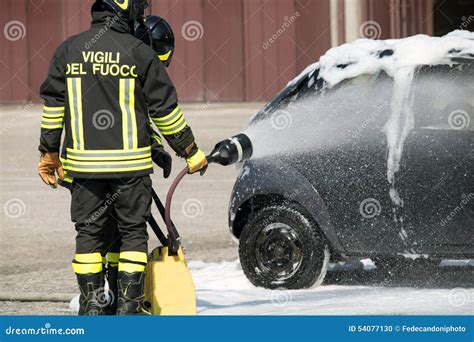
<point x="158" y="232"/>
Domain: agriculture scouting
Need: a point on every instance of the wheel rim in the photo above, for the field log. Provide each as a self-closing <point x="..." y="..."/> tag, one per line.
<point x="279" y="251"/>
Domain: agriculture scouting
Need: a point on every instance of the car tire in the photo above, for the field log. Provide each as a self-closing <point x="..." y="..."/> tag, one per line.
<point x="280" y="238"/>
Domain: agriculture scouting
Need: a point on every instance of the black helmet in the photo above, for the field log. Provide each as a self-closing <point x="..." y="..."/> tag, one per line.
<point x="129" y="10"/>
<point x="161" y="38"/>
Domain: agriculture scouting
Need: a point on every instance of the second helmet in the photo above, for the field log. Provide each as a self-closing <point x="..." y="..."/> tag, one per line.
<point x="162" y="38"/>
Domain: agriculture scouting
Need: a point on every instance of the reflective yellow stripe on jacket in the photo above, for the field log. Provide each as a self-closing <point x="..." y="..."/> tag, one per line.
<point x="171" y="123"/>
<point x="108" y="160"/>
<point x="74" y="88"/>
<point x="52" y="118"/>
<point x="126" y="157"/>
<point x="129" y="120"/>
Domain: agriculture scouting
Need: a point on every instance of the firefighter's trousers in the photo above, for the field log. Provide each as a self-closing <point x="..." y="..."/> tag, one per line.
<point x="110" y="214"/>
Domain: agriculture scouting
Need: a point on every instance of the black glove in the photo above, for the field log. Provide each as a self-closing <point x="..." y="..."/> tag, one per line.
<point x="162" y="159"/>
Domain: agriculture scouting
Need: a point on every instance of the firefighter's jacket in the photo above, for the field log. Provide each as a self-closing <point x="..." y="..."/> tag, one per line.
<point x="103" y="85"/>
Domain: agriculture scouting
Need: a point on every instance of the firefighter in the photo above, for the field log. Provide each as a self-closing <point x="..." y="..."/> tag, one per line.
<point x="103" y="86"/>
<point x="159" y="35"/>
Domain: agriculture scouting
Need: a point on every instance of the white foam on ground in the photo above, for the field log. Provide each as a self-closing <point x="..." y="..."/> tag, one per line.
<point x="223" y="289"/>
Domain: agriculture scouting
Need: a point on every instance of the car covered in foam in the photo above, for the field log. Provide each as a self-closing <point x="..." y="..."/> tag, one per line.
<point x="367" y="153"/>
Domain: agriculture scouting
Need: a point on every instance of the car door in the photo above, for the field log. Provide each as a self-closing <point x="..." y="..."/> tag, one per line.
<point x="436" y="177"/>
<point x="347" y="162"/>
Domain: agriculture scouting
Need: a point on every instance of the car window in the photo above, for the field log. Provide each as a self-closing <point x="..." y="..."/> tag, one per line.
<point x="442" y="97"/>
<point x="290" y="93"/>
<point x="360" y="105"/>
<point x="346" y="102"/>
<point x="366" y="80"/>
<point x="307" y="84"/>
<point x="312" y="84"/>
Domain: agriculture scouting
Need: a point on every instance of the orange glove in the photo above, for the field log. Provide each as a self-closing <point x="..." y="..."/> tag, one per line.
<point x="197" y="162"/>
<point x="49" y="164"/>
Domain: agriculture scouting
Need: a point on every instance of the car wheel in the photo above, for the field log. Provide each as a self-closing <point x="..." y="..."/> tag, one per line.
<point x="281" y="247"/>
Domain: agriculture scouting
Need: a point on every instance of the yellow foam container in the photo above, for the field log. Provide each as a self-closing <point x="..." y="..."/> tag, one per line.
<point x="169" y="286"/>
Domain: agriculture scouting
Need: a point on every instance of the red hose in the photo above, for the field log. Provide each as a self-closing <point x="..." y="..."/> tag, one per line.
<point x="173" y="234"/>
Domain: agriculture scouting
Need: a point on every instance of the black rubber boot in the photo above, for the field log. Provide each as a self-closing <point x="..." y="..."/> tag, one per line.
<point x="111" y="274"/>
<point x="91" y="286"/>
<point x="131" y="293"/>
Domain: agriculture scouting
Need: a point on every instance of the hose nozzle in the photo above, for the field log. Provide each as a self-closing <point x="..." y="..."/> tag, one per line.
<point x="231" y="151"/>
